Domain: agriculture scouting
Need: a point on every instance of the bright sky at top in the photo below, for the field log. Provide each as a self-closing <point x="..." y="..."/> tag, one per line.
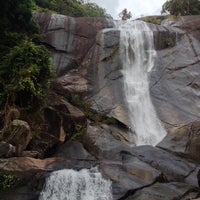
<point x="138" y="8"/>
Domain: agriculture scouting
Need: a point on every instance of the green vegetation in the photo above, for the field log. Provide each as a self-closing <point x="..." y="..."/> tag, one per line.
<point x="182" y="7"/>
<point x="72" y="8"/>
<point x="16" y="15"/>
<point x="79" y="131"/>
<point x="76" y="100"/>
<point x="25" y="75"/>
<point x="109" y="121"/>
<point x="157" y="19"/>
<point x="7" y="181"/>
<point x="25" y="68"/>
<point x="169" y="42"/>
<point x="153" y="19"/>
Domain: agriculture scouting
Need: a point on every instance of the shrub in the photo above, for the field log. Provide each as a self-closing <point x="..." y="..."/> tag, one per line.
<point x="25" y="76"/>
<point x="7" y="181"/>
<point x="153" y="19"/>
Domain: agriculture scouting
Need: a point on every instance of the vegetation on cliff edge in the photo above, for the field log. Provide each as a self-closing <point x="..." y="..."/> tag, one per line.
<point x="74" y="8"/>
<point x="182" y="7"/>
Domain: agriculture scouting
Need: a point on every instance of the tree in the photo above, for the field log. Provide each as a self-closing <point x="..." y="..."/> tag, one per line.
<point x="74" y="8"/>
<point x="16" y="15"/>
<point x="124" y="14"/>
<point x="25" y="75"/>
<point x="182" y="7"/>
<point x="93" y="10"/>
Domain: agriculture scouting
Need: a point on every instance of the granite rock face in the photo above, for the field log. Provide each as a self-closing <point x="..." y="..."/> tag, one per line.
<point x="87" y="63"/>
<point x="71" y="39"/>
<point x="175" y="82"/>
<point x="188" y="23"/>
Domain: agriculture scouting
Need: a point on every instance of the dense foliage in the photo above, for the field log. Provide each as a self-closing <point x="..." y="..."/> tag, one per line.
<point x="73" y="8"/>
<point x="16" y="15"/>
<point x="182" y="7"/>
<point x="25" y="68"/>
<point x="25" y="74"/>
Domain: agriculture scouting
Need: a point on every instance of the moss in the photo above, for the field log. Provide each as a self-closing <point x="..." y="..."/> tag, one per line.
<point x="157" y="19"/>
<point x="170" y="17"/>
<point x="93" y="117"/>
<point x="169" y="42"/>
<point x="153" y="19"/>
<point x="79" y="131"/>
<point x="76" y="100"/>
<point x="7" y="181"/>
<point x="109" y="121"/>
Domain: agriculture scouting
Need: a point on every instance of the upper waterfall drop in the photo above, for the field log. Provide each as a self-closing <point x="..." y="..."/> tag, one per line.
<point x="68" y="184"/>
<point x="137" y="56"/>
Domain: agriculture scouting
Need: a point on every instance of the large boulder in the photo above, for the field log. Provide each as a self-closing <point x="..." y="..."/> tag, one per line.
<point x="174" y="168"/>
<point x="165" y="191"/>
<point x="73" y="150"/>
<point x="128" y="175"/>
<point x="71" y="83"/>
<point x="7" y="150"/>
<point x="63" y="122"/>
<point x="106" y="142"/>
<point x="184" y="141"/>
<point x="42" y="146"/>
<point x="63" y="118"/>
<point x="18" y="134"/>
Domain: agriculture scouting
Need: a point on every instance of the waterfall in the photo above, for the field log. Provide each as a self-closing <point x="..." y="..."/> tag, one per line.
<point x="69" y="184"/>
<point x="137" y="57"/>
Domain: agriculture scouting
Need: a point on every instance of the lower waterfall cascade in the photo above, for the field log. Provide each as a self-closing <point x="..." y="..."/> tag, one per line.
<point x="68" y="184"/>
<point x="137" y="55"/>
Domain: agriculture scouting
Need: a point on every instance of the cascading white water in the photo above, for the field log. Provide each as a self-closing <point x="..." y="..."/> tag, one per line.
<point x="69" y="184"/>
<point x="137" y="56"/>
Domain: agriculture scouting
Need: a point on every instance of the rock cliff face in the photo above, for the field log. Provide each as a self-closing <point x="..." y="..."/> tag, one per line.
<point x="175" y="82"/>
<point x="85" y="53"/>
<point x="87" y="62"/>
